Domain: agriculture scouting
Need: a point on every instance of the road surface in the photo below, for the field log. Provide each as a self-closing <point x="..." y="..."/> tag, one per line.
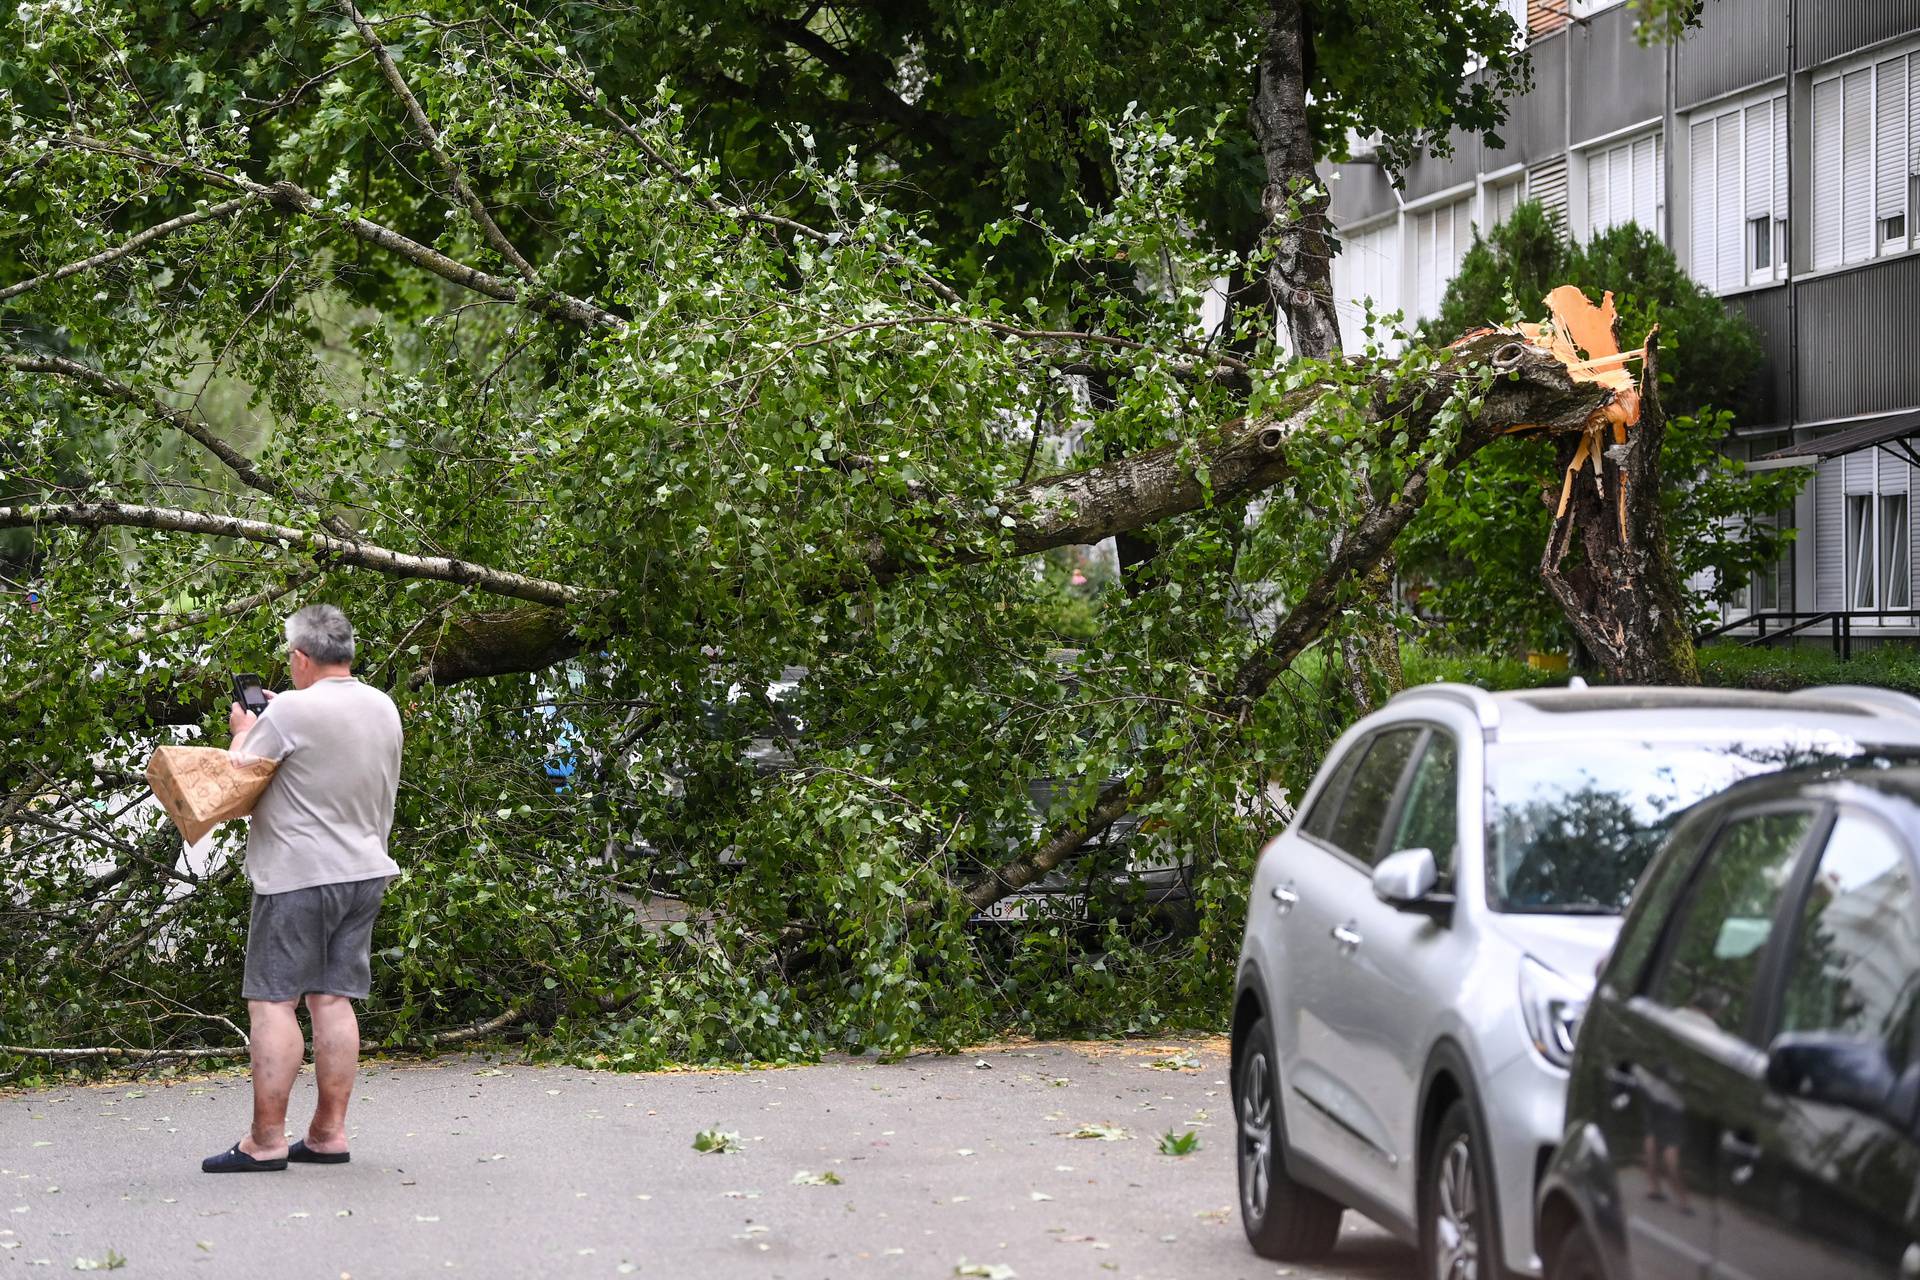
<point x="947" y="1166"/>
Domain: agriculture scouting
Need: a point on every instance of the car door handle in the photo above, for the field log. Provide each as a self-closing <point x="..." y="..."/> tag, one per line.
<point x="1284" y="898"/>
<point x="1741" y="1149"/>
<point x="1345" y="936"/>
<point x="1624" y="1085"/>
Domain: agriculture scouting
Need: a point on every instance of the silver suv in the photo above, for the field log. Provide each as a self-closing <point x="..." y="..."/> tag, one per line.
<point x="1423" y="937"/>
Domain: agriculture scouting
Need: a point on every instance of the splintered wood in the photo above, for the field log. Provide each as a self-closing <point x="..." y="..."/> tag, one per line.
<point x="1586" y="339"/>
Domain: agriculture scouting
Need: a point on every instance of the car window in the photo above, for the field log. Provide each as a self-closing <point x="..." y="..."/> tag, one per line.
<point x="1714" y="954"/>
<point x="1855" y="963"/>
<point x="1363" y="811"/>
<point x="1571" y="825"/>
<point x="1656" y="895"/>
<point x="1327" y="806"/>
<point x="1428" y="819"/>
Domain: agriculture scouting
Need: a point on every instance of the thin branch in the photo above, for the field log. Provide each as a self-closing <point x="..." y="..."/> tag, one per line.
<point x="132" y="244"/>
<point x="478" y="1029"/>
<point x="291" y="198"/>
<point x="675" y="173"/>
<point x="185" y="422"/>
<point x="116" y="1051"/>
<point x="1233" y="363"/>
<point x="325" y="546"/>
<point x="489" y="229"/>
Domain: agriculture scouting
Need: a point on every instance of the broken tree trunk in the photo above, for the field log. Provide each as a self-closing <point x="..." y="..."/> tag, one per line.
<point x="1607" y="563"/>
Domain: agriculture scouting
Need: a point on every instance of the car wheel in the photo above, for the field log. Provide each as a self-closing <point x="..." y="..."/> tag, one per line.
<point x="1577" y="1258"/>
<point x="1456" y="1231"/>
<point x="1283" y="1219"/>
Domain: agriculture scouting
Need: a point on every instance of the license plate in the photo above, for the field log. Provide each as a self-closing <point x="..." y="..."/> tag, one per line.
<point x="1035" y="906"/>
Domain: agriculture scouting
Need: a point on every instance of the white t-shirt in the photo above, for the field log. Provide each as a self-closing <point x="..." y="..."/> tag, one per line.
<point x="326" y="814"/>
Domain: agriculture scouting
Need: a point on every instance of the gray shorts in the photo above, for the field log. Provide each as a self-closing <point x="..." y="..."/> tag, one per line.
<point x="318" y="939"/>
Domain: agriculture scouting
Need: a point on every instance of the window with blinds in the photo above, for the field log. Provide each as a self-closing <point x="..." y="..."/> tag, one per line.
<point x="1366" y="274"/>
<point x="1502" y="198"/>
<point x="1737" y="195"/>
<point x="1866" y="160"/>
<point x="1864" y="535"/>
<point x="1440" y="238"/>
<point x="1627" y="183"/>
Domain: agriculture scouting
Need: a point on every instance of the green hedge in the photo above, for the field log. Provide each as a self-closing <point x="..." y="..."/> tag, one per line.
<point x="1727" y="666"/>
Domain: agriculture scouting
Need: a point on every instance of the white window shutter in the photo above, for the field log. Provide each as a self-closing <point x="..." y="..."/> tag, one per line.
<point x="1828" y="187"/>
<point x="1756" y="128"/>
<point x="1598" y="206"/>
<point x="1890" y="141"/>
<point x="1658" y="226"/>
<point x="1829" y="536"/>
<point x="1701" y="208"/>
<point x="1620" y="206"/>
<point x="1856" y="167"/>
<point x="1780" y="158"/>
<point x="1646" y="199"/>
<point x="1913" y="123"/>
<point x="1730" y="227"/>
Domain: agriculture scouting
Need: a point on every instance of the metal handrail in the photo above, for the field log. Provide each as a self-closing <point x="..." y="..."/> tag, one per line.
<point x="1799" y="620"/>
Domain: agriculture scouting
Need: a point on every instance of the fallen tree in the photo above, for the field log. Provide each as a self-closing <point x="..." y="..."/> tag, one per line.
<point x="590" y="493"/>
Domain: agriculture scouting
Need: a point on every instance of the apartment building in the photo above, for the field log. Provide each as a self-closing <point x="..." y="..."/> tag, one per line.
<point x="1776" y="149"/>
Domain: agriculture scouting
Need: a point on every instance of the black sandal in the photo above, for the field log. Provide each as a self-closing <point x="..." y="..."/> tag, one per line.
<point x="234" y="1160"/>
<point x="299" y="1154"/>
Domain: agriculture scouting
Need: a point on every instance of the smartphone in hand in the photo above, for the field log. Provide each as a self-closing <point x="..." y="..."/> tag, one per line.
<point x="250" y="692"/>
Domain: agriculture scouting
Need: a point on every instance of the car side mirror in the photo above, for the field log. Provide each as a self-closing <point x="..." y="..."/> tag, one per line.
<point x="1821" y="1066"/>
<point x="1406" y="880"/>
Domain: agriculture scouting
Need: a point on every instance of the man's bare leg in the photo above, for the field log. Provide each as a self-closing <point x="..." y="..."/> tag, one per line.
<point x="276" y="1047"/>
<point x="336" y="1057"/>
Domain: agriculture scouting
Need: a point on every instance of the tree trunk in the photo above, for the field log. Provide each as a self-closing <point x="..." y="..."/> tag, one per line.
<point x="1607" y="562"/>
<point x="1300" y="275"/>
<point x="1300" y="287"/>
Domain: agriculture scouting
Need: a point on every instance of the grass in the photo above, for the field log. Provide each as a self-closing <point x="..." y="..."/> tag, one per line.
<point x="1726" y="666"/>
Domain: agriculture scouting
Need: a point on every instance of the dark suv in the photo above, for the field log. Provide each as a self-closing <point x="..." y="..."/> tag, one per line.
<point x="1745" y="1096"/>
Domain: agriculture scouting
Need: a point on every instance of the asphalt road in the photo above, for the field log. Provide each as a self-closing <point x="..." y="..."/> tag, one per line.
<point x="947" y="1166"/>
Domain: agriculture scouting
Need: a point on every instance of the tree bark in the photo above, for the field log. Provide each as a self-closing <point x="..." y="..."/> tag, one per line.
<point x="1300" y="275"/>
<point x="1620" y="593"/>
<point x="1300" y="286"/>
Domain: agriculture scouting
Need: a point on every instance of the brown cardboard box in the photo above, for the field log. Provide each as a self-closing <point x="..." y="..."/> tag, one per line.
<point x="202" y="787"/>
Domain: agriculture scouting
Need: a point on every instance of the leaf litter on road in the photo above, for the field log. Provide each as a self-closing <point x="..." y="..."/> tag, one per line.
<point x="716" y="1142"/>
<point x="1100" y="1132"/>
<point x="1179" y="1144"/>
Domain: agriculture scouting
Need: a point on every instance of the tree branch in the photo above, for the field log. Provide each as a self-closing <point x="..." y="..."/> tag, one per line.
<point x="290" y="198"/>
<point x="131" y="244"/>
<point x="365" y="555"/>
<point x="185" y="422"/>
<point x="1082" y="507"/>
<point x="489" y="229"/>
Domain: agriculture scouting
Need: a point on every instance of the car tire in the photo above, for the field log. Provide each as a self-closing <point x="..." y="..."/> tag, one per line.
<point x="1457" y="1236"/>
<point x="1577" y="1258"/>
<point x="1284" y="1219"/>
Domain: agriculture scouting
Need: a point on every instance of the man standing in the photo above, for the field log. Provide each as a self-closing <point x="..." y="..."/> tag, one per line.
<point x="317" y="856"/>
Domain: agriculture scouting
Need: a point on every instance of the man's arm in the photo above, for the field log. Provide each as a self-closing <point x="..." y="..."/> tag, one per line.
<point x="240" y="723"/>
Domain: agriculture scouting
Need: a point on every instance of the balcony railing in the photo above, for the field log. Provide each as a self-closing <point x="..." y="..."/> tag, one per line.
<point x="1770" y="625"/>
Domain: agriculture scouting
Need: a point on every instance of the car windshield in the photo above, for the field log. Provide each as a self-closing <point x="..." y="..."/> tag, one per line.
<point x="1571" y="825"/>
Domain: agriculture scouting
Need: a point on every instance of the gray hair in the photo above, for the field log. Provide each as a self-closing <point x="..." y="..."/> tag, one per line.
<point x="323" y="633"/>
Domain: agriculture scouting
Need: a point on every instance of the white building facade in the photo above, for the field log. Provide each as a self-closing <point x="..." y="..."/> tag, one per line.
<point x="1776" y="149"/>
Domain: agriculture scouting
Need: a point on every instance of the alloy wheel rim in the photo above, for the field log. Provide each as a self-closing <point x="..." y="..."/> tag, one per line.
<point x="1456" y="1207"/>
<point x="1256" y="1138"/>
